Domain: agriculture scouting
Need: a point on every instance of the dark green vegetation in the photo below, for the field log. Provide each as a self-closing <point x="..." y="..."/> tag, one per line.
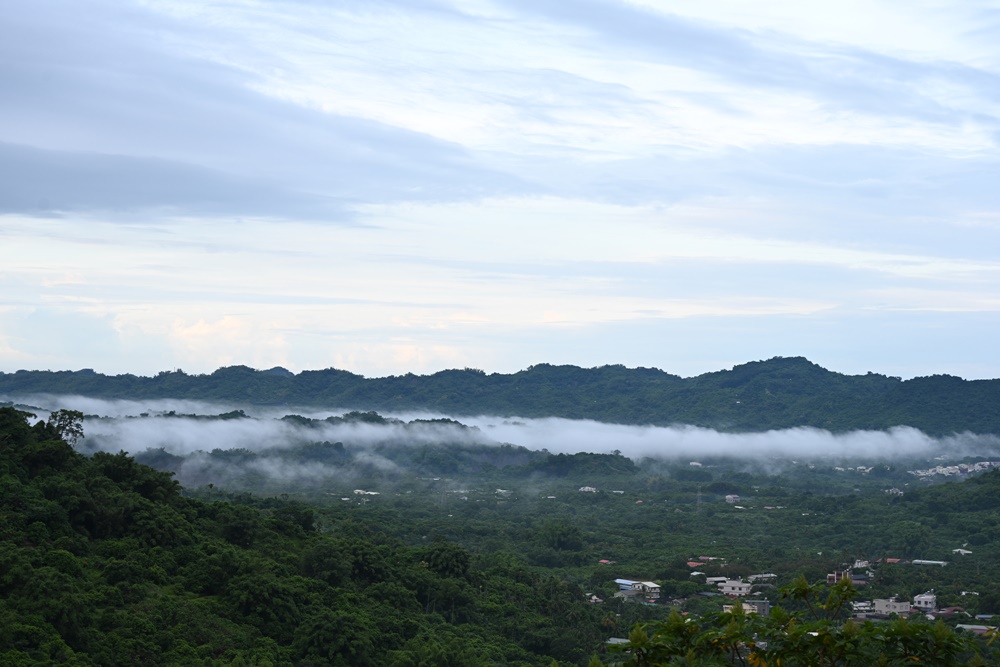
<point x="773" y="394"/>
<point x="104" y="562"/>
<point x="469" y="554"/>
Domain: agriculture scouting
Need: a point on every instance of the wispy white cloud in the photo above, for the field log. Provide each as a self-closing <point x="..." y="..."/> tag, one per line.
<point x="405" y="185"/>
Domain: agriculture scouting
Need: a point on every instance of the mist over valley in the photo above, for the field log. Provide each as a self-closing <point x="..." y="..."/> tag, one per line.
<point x="261" y="448"/>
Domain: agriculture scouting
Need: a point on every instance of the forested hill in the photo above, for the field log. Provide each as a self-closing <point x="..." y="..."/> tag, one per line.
<point x="104" y="562"/>
<point x="762" y="395"/>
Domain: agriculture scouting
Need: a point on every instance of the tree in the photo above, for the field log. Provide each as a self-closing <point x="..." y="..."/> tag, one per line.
<point x="334" y="637"/>
<point x="448" y="560"/>
<point x="68" y="424"/>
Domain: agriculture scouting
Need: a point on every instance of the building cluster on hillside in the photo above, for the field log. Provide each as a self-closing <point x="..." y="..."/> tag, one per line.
<point x="864" y="470"/>
<point x="649" y="591"/>
<point x="924" y="603"/>
<point x="861" y="572"/>
<point x="957" y="469"/>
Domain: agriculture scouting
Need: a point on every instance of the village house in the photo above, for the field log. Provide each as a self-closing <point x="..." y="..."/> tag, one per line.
<point x="732" y="499"/>
<point x="651" y="589"/>
<point x="761" y="607"/>
<point x="836" y="576"/>
<point x="950" y="611"/>
<point x="625" y="584"/>
<point x="862" y="608"/>
<point x="925" y="602"/>
<point x="735" y="588"/>
<point x="859" y="575"/>
<point x="883" y="607"/>
<point x="647" y="589"/>
<point x="647" y="592"/>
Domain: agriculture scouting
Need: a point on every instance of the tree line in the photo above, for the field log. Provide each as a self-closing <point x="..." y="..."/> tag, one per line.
<point x="756" y="396"/>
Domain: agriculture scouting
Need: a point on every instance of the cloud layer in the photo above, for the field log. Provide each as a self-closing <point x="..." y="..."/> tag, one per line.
<point x="137" y="426"/>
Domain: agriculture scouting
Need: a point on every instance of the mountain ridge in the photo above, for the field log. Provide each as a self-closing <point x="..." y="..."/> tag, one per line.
<point x="777" y="393"/>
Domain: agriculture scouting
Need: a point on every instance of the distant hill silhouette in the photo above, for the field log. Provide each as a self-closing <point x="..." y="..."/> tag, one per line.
<point x="782" y="392"/>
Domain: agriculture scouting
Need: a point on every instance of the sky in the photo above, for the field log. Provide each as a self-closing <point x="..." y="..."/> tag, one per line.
<point x="393" y="186"/>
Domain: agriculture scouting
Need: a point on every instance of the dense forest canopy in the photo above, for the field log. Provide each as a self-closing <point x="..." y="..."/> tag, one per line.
<point x="468" y="555"/>
<point x="757" y="396"/>
<point x="103" y="561"/>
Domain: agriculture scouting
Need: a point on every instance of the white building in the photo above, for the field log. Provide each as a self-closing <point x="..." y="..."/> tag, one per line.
<point x="734" y="588"/>
<point x="650" y="589"/>
<point x="862" y="608"/>
<point x="890" y="606"/>
<point x="926" y="602"/>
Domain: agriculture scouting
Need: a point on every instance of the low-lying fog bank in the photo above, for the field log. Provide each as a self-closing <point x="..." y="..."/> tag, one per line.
<point x="183" y="427"/>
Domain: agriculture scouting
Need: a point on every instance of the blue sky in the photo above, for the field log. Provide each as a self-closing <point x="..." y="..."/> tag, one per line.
<point x="406" y="186"/>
